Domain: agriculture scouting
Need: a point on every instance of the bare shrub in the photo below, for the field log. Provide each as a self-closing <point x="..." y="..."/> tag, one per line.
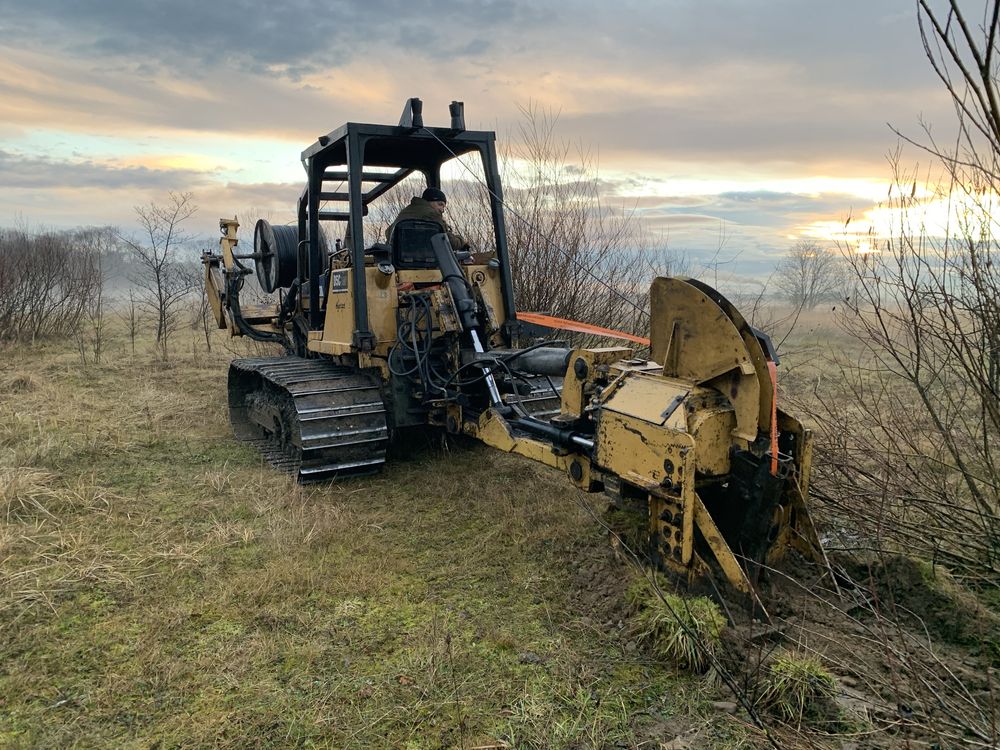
<point x="48" y="282"/>
<point x="909" y="417"/>
<point x="925" y="317"/>
<point x="103" y="246"/>
<point x="572" y="254"/>
<point x="910" y="422"/>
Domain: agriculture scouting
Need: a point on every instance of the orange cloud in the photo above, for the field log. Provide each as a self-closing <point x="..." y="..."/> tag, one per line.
<point x="183" y="162"/>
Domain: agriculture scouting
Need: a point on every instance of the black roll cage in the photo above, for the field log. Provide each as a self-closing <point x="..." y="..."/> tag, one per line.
<point x="345" y="154"/>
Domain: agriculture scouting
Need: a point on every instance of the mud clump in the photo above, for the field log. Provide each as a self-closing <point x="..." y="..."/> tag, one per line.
<point x="597" y="584"/>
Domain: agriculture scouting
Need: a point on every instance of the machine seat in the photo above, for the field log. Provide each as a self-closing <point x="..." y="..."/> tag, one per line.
<point x="411" y="244"/>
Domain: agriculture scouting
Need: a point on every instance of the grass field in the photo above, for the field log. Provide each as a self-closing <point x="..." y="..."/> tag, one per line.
<point x="160" y="587"/>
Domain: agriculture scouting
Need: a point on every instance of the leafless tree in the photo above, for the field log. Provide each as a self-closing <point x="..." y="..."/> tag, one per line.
<point x="165" y="278"/>
<point x="102" y="244"/>
<point x="129" y="313"/>
<point x="810" y="274"/>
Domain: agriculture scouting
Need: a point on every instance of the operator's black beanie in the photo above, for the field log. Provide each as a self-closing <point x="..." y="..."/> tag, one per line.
<point x="433" y="194"/>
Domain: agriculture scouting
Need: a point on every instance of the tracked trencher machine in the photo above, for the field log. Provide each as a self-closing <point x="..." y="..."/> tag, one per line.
<point x="383" y="336"/>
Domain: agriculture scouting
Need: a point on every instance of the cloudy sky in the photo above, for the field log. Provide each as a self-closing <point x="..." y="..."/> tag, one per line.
<point x="755" y="121"/>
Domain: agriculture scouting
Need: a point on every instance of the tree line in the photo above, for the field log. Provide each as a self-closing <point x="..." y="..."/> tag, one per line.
<point x="55" y="283"/>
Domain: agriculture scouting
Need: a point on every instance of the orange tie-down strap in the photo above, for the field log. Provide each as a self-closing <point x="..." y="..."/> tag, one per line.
<point x="772" y="368"/>
<point x="549" y="321"/>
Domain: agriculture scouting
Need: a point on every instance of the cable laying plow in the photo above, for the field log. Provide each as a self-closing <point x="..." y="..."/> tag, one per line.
<point x="380" y="337"/>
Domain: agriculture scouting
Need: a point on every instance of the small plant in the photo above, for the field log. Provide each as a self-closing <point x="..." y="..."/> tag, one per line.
<point x="797" y="688"/>
<point x="629" y="526"/>
<point x="683" y="631"/>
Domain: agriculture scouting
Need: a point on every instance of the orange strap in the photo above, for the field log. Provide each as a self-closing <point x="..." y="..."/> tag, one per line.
<point x="773" y="369"/>
<point x="574" y="325"/>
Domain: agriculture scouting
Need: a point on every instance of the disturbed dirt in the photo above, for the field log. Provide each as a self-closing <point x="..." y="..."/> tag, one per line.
<point x="914" y="654"/>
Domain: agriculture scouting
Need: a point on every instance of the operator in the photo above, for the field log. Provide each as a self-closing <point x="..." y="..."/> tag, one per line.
<point x="430" y="207"/>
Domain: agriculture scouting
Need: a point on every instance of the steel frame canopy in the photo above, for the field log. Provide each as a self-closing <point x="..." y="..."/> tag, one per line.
<point x="392" y="153"/>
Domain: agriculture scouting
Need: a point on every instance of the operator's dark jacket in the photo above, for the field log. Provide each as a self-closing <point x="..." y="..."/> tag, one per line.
<point x="423" y="210"/>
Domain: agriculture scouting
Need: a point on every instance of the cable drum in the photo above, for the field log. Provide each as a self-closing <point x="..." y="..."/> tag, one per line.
<point x="275" y="247"/>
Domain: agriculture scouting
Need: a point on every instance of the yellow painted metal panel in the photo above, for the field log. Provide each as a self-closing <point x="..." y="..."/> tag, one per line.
<point x="650" y="397"/>
<point x="711" y="428"/>
<point x="418" y="276"/>
<point x="625" y="444"/>
<point x="691" y="336"/>
<point x="700" y="341"/>
<point x="383" y="299"/>
<point x="339" y="323"/>
<point x="328" y="347"/>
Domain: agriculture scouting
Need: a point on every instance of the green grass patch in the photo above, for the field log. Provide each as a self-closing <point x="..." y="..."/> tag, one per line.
<point x="685" y="631"/>
<point x="799" y="690"/>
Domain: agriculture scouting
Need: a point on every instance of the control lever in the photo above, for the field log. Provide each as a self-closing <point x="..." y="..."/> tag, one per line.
<point x="465" y="304"/>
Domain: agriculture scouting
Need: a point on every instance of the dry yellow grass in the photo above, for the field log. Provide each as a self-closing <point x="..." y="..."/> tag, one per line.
<point x="160" y="584"/>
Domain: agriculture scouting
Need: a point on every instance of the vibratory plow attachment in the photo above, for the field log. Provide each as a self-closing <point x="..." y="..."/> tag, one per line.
<point x="694" y="439"/>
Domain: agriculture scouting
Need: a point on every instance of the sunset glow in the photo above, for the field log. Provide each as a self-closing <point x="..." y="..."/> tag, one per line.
<point x="933" y="217"/>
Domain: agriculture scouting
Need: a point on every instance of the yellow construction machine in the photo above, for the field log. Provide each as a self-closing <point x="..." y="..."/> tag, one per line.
<point x="379" y="337"/>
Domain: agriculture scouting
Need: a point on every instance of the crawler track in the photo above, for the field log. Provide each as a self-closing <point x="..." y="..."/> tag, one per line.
<point x="308" y="416"/>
